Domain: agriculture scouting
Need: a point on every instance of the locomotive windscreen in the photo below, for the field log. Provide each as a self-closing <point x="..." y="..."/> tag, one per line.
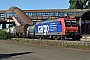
<point x="69" y="23"/>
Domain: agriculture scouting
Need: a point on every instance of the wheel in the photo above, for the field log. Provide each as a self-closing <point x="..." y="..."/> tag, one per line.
<point x="55" y="38"/>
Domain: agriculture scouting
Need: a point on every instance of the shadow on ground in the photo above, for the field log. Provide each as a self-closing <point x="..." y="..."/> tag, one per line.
<point x="4" y="56"/>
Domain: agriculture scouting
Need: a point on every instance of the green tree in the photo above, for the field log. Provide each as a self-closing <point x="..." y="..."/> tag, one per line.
<point x="11" y="25"/>
<point x="73" y="4"/>
<point x="78" y="4"/>
<point x="4" y="35"/>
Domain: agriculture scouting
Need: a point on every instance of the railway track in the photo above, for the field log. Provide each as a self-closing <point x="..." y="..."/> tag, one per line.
<point x="85" y="45"/>
<point x="45" y="39"/>
<point x="57" y="41"/>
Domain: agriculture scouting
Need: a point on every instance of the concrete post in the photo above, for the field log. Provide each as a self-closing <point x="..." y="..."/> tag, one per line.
<point x="80" y="25"/>
<point x="85" y="26"/>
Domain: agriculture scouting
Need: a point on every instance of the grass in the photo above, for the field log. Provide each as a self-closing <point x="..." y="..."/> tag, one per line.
<point x="79" y="46"/>
<point x="71" y="45"/>
<point x="26" y="40"/>
<point x="17" y="39"/>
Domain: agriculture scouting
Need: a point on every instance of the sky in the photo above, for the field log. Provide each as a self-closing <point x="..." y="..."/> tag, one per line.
<point x="34" y="4"/>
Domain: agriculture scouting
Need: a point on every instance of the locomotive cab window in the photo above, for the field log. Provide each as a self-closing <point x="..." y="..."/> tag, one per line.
<point x="74" y="23"/>
<point x="67" y="23"/>
<point x="70" y="23"/>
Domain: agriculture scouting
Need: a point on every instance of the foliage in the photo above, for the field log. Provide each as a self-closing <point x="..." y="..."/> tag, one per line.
<point x="11" y="25"/>
<point x="79" y="4"/>
<point x="89" y="4"/>
<point x="17" y="39"/>
<point x="27" y="40"/>
<point x="4" y="35"/>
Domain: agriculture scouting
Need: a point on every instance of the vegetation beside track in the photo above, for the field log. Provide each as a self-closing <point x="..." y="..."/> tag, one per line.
<point x="85" y="45"/>
<point x="4" y="35"/>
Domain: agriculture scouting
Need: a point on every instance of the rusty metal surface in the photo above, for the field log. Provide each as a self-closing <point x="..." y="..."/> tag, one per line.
<point x="3" y="11"/>
<point x="35" y="18"/>
<point x="52" y="10"/>
<point x="13" y="8"/>
<point x="76" y="15"/>
<point x="21" y="15"/>
<point x="56" y="10"/>
<point x="48" y="10"/>
<point x="17" y="29"/>
<point x="21" y="29"/>
<point x="84" y="15"/>
<point x="43" y="17"/>
<point x="2" y="19"/>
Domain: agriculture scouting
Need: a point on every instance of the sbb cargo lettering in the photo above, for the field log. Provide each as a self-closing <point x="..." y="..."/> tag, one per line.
<point x="43" y="28"/>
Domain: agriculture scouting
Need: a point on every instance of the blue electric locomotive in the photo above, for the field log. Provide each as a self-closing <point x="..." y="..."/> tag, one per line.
<point x="49" y="29"/>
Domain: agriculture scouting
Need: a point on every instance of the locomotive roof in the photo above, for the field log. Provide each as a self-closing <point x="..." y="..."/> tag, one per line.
<point x="48" y="21"/>
<point x="55" y="20"/>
